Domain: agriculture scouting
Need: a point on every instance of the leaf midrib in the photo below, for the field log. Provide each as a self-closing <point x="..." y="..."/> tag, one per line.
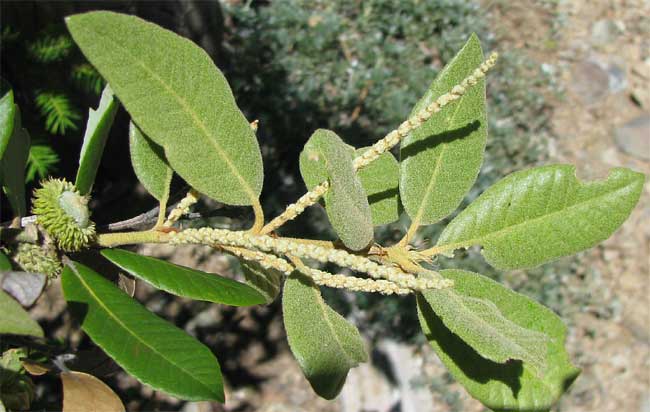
<point x="436" y="171"/>
<point x="119" y="322"/>
<point x="477" y="240"/>
<point x="197" y="122"/>
<point x="477" y="319"/>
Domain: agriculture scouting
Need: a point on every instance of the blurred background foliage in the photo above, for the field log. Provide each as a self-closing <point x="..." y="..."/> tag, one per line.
<point x="356" y="67"/>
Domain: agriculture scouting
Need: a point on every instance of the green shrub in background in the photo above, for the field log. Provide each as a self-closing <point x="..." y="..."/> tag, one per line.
<point x="55" y="79"/>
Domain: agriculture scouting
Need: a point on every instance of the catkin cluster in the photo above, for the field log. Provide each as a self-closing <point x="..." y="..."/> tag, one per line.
<point x="218" y="237"/>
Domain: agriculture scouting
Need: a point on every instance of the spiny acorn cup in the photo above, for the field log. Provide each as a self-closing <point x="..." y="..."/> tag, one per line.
<point x="63" y="212"/>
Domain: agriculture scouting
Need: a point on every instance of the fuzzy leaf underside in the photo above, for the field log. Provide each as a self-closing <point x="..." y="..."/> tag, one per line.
<point x="97" y="129"/>
<point x="13" y="166"/>
<point x="267" y="282"/>
<point x="154" y="351"/>
<point x="182" y="281"/>
<point x="150" y="164"/>
<point x="540" y="214"/>
<point x="480" y="324"/>
<point x="325" y="345"/>
<point x="441" y="160"/>
<point x="326" y="157"/>
<point x="380" y="181"/>
<point x="514" y="385"/>
<point x="179" y="99"/>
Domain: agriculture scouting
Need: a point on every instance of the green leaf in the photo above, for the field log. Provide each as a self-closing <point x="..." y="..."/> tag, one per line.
<point x="480" y="324"/>
<point x="537" y="215"/>
<point x="380" y="181"/>
<point x="324" y="343"/>
<point x="97" y="128"/>
<point x="15" y="320"/>
<point x="184" y="281"/>
<point x="513" y="385"/>
<point x="13" y="167"/>
<point x="179" y="99"/>
<point x="150" y="164"/>
<point x="156" y="352"/>
<point x="266" y="282"/>
<point x="5" y="263"/>
<point x="441" y="159"/>
<point x="326" y="157"/>
<point x="7" y="113"/>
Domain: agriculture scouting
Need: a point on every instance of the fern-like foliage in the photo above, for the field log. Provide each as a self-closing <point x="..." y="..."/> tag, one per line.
<point x="41" y="162"/>
<point x="58" y="111"/>
<point x="87" y="78"/>
<point x="50" y="49"/>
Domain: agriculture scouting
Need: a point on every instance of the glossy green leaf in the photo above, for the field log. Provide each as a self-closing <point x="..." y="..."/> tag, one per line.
<point x="15" y="320"/>
<point x="154" y="351"/>
<point x="513" y="385"/>
<point x="7" y="113"/>
<point x="179" y="99"/>
<point x="97" y="129"/>
<point x="267" y="282"/>
<point x="324" y="343"/>
<point x="326" y="157"/>
<point x="150" y="164"/>
<point x="13" y="167"/>
<point x="537" y="215"/>
<point x="441" y="160"/>
<point x="380" y="181"/>
<point x="480" y="324"/>
<point x="183" y="281"/>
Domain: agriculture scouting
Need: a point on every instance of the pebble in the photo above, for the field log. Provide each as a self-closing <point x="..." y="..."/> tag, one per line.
<point x="633" y="137"/>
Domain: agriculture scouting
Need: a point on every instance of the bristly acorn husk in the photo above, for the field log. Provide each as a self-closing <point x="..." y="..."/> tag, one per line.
<point x="38" y="259"/>
<point x="63" y="212"/>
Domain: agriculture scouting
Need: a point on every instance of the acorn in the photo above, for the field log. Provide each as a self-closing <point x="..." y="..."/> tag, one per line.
<point x="63" y="212"/>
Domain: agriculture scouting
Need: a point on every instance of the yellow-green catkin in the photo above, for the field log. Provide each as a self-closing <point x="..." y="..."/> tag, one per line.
<point x="182" y="208"/>
<point x="217" y="237"/>
<point x="63" y="212"/>
<point x="355" y="284"/>
<point x="387" y="143"/>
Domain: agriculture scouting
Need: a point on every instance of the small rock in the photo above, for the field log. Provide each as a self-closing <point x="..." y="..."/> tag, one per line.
<point x="604" y="31"/>
<point x="590" y="82"/>
<point x="617" y="80"/>
<point x="634" y="137"/>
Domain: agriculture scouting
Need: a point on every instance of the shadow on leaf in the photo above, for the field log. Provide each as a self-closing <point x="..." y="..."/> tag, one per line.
<point x="434" y="140"/>
<point x="473" y="365"/>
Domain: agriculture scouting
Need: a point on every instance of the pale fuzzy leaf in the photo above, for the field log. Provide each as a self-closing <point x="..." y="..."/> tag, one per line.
<point x="480" y="324"/>
<point x="154" y="351"/>
<point x="537" y="215"/>
<point x="25" y="287"/>
<point x="150" y="164"/>
<point x="97" y="128"/>
<point x="267" y="282"/>
<point x="13" y="167"/>
<point x="380" y="181"/>
<point x="85" y="393"/>
<point x="502" y="386"/>
<point x="324" y="343"/>
<point x="179" y="99"/>
<point x="441" y="160"/>
<point x="327" y="158"/>
<point x="14" y="320"/>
